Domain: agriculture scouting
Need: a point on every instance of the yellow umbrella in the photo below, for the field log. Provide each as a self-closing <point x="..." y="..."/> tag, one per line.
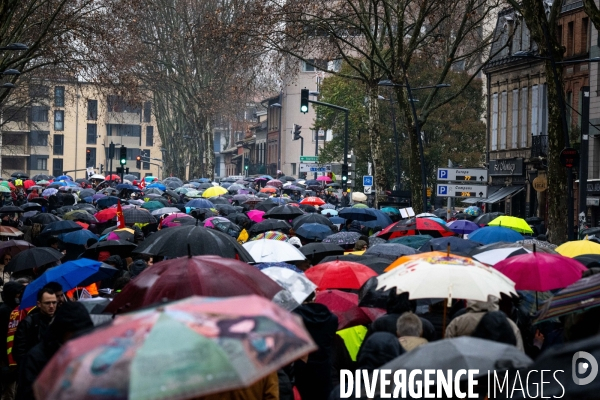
<point x="401" y="260"/>
<point x="577" y="248"/>
<point x="514" y="223"/>
<point x="214" y="191"/>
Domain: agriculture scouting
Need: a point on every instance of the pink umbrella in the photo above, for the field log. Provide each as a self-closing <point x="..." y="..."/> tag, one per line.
<point x="256" y="215"/>
<point x="173" y="219"/>
<point x="541" y="271"/>
<point x="275" y="183"/>
<point x="209" y="222"/>
<point x="324" y="179"/>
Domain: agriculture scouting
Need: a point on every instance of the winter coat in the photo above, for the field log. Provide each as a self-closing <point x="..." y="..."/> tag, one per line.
<point x="29" y="333"/>
<point x="409" y="343"/>
<point x="9" y="293"/>
<point x="476" y="310"/>
<point x="494" y="326"/>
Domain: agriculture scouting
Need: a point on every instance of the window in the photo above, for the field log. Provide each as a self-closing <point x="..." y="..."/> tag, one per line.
<point x="92" y="133"/>
<point x="90" y="157"/>
<point x="15" y="114"/>
<point x="570" y="39"/>
<point x="39" y="91"/>
<point x="503" y="108"/>
<point x="495" y="121"/>
<point x="59" y="120"/>
<point x="58" y="147"/>
<point x="584" y="36"/>
<point x="217" y="142"/>
<point x="132" y="153"/>
<point x="543" y="110"/>
<point x="515" y="119"/>
<point x="569" y="109"/>
<point x="38" y="138"/>
<point x="125" y="130"/>
<point x="313" y="65"/>
<point x="42" y="163"/>
<point x="293" y="168"/>
<point x="118" y="104"/>
<point x="534" y="110"/>
<point x="147" y="111"/>
<point x="217" y="166"/>
<point x="39" y="114"/>
<point x="149" y="136"/>
<point x="146" y="156"/>
<point x="524" y="115"/>
<point x="59" y="96"/>
<point x="92" y="110"/>
<point x="57" y="167"/>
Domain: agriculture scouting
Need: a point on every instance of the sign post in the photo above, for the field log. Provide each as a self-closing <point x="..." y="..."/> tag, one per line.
<point x="457" y="190"/>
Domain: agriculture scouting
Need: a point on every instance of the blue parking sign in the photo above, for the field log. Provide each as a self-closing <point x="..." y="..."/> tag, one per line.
<point x="442" y="173"/>
<point x="442" y="189"/>
<point x="367" y="180"/>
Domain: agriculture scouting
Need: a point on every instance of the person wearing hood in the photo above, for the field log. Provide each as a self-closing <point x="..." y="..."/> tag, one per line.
<point x="494" y="326"/>
<point x="465" y="324"/>
<point x="137" y="267"/>
<point x="355" y="227"/>
<point x="69" y="319"/>
<point x="11" y="295"/>
<point x="313" y="376"/>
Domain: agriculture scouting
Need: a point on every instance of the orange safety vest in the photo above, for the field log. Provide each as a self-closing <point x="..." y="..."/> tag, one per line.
<point x="92" y="289"/>
<point x="16" y="316"/>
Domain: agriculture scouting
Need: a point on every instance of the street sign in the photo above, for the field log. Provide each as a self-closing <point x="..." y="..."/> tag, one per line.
<point x="309" y="159"/>
<point x="367" y="189"/>
<point x="462" y="174"/>
<point x="569" y="157"/>
<point x="367" y="180"/>
<point x="313" y="167"/>
<point x="461" y="190"/>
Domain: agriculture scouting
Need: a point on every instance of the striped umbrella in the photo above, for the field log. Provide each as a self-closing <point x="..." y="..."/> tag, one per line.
<point x="580" y="296"/>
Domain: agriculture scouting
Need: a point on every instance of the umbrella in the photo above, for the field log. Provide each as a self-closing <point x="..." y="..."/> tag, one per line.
<point x="382" y="219"/>
<point x="121" y="248"/>
<point x="275" y="183"/>
<point x="492" y="234"/>
<point x="589" y="260"/>
<point x="457" y="245"/>
<point x="390" y="251"/>
<point x="461" y="353"/>
<point x="540" y="244"/>
<point x="495" y="255"/>
<point x="31" y="206"/>
<point x="154" y="353"/>
<point x="220" y="200"/>
<point x="415" y="241"/>
<point x="138" y="215"/>
<point x="473" y="211"/>
<point x="77" y="237"/>
<point x="214" y="191"/>
<point x="225" y="209"/>
<point x="514" y="223"/>
<point x="107" y="201"/>
<point x="200" y="203"/>
<point x="11" y="209"/>
<point x="81" y="272"/>
<point x="153" y="190"/>
<point x="324" y="178"/>
<point x="256" y="215"/>
<point x="339" y="275"/>
<point x="292" y="267"/>
<point x="49" y="192"/>
<point x="307" y="208"/>
<point x="358" y="214"/>
<point x="58" y="227"/>
<point x="313" y="231"/>
<point x="106" y="214"/>
<point x="582" y="295"/>
<point x="316" y="251"/>
<point x="446" y="277"/>
<point x="266" y="250"/>
<point x="45" y="218"/>
<point x="20" y="175"/>
<point x="312" y="201"/>
<point x="269" y="225"/>
<point x="165" y="210"/>
<point x="14" y="247"/>
<point x="463" y="226"/>
<point x="286" y="178"/>
<point x="33" y="258"/>
<point x="238" y="218"/>
<point x="187" y="276"/>
<point x="377" y="264"/>
<point x="283" y="212"/>
<point x="152" y="205"/>
<point x="311" y="218"/>
<point x="418" y="225"/>
<point x="484" y="219"/>
<point x="80" y="215"/>
<point x="578" y="247"/>
<point x="343" y="239"/>
<point x="271" y="235"/>
<point x="329" y="213"/>
<point x="337" y="220"/>
<point x="392" y="210"/>
<point x="296" y="283"/>
<point x="10" y="231"/>
<point x="345" y="306"/>
<point x="541" y="271"/>
<point x="269" y="189"/>
<point x="187" y="240"/>
<point x="159" y="186"/>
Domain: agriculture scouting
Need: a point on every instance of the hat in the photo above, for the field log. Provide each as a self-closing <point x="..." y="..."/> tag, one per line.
<point x="348" y="190"/>
<point x="360" y="245"/>
<point x="295" y="241"/>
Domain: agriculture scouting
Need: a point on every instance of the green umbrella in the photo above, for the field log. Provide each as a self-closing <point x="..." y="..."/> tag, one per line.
<point x="152" y="205"/>
<point x="360" y="205"/>
<point x="415" y="241"/>
<point x="4" y="184"/>
<point x="4" y="189"/>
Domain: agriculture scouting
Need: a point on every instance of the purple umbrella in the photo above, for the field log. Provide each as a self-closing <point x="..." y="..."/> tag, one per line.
<point x="463" y="226"/>
<point x="98" y="196"/>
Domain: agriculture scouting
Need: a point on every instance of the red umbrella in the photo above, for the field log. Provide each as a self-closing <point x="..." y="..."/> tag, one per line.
<point x="419" y="226"/>
<point x="339" y="275"/>
<point x="112" y="177"/>
<point x="541" y="271"/>
<point x="106" y="214"/>
<point x="313" y="201"/>
<point x="28" y="183"/>
<point x="188" y="276"/>
<point x="345" y="306"/>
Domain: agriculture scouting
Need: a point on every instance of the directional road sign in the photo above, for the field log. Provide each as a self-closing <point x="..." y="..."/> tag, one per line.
<point x="462" y="174"/>
<point x="457" y="190"/>
<point x="309" y="159"/>
<point x="313" y="167"/>
<point x="367" y="180"/>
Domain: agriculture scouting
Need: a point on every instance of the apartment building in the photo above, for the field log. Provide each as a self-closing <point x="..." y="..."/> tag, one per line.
<point x="67" y="127"/>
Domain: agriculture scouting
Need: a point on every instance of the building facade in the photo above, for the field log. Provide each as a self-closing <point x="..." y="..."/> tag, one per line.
<point x="66" y="127"/>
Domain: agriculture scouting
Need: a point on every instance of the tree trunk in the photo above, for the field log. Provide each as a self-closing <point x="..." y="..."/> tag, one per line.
<point x="210" y="154"/>
<point x="379" y="171"/>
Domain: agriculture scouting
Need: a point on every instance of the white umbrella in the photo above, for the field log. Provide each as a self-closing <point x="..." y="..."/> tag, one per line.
<point x="266" y="250"/>
<point x="446" y="278"/>
<point x="97" y="176"/>
<point x="494" y="256"/>
<point x="297" y="284"/>
<point x="426" y="215"/>
<point x="166" y="210"/>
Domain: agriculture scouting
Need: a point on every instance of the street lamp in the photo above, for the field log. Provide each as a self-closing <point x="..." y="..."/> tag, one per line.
<point x="15" y="47"/>
<point x="412" y="100"/>
<point x="278" y="105"/>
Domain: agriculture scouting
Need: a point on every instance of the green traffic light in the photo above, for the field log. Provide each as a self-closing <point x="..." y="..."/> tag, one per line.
<point x="123" y="161"/>
<point x="304" y="109"/>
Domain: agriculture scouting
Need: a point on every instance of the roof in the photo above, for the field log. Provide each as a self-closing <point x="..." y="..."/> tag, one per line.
<point x="503" y="193"/>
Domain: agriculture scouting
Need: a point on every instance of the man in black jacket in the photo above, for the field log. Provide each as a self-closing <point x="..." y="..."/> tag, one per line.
<point x="31" y="330"/>
<point x="11" y="295"/>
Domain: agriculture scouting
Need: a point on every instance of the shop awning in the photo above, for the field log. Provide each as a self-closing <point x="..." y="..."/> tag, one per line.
<point x="503" y="193"/>
<point x="474" y="200"/>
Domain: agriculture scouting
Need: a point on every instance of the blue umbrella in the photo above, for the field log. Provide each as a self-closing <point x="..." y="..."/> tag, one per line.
<point x="390" y="210"/>
<point x="473" y="210"/>
<point x="337" y="220"/>
<point x="314" y="231"/>
<point x="127" y="186"/>
<point x="203" y="180"/>
<point x="107" y="201"/>
<point x="359" y="214"/>
<point x="463" y="226"/>
<point x="58" y="227"/>
<point x="79" y="237"/>
<point x="269" y="177"/>
<point x="158" y="186"/>
<point x="456" y="245"/>
<point x="382" y="220"/>
<point x="493" y="234"/>
<point x="200" y="203"/>
<point x="69" y="275"/>
<point x="63" y="178"/>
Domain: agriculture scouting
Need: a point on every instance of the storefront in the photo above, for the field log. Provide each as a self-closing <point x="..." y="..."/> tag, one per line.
<point x="512" y="194"/>
<point x="593" y="203"/>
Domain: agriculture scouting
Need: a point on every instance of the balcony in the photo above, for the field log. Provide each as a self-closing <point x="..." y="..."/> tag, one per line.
<point x="539" y="146"/>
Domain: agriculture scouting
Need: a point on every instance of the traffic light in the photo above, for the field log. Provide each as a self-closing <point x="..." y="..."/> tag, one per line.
<point x="344" y="175"/>
<point x="88" y="156"/>
<point x="138" y="162"/>
<point x="304" y="101"/>
<point x="297" y="132"/>
<point x="351" y="162"/>
<point x="123" y="155"/>
<point x="101" y="168"/>
<point x="111" y="150"/>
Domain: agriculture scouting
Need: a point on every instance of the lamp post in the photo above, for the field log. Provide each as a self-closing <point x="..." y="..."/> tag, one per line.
<point x="417" y="129"/>
<point x="279" y="105"/>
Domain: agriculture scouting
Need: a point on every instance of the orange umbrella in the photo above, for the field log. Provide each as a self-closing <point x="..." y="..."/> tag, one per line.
<point x="9" y="231"/>
<point x="313" y="201"/>
<point x="268" y="189"/>
<point x="401" y="260"/>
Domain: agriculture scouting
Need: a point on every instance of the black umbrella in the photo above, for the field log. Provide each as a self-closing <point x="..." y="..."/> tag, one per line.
<point x="486" y="218"/>
<point x="440" y="212"/>
<point x="377" y="264"/>
<point x="457" y="245"/>
<point x="86" y="207"/>
<point x="41" y="177"/>
<point x="86" y="193"/>
<point x="189" y="240"/>
<point x="121" y="248"/>
<point x="39" y="200"/>
<point x="238" y="218"/>
<point x="343" y="239"/>
<point x="286" y="178"/>
<point x="11" y="209"/>
<point x="45" y="218"/>
<point x="369" y="296"/>
<point x="14" y="247"/>
<point x="31" y="206"/>
<point x="283" y="212"/>
<point x="219" y="200"/>
<point x="391" y="251"/>
<point x="20" y="175"/>
<point x="225" y="209"/>
<point x="266" y="205"/>
<point x="357" y="214"/>
<point x="311" y="219"/>
<point x="137" y="215"/>
<point x="33" y="258"/>
<point x="317" y="251"/>
<point x="269" y="225"/>
<point x="589" y="260"/>
<point x="82" y="215"/>
<point x="308" y="208"/>
<point x="64" y="209"/>
<point x="58" y="227"/>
